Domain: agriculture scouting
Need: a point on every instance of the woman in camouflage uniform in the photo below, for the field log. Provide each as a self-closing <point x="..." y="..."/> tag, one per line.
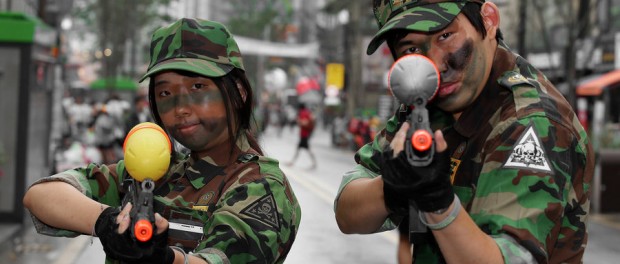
<point x="224" y="202"/>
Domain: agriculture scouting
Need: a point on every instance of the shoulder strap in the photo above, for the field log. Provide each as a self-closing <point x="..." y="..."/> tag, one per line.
<point x="247" y="157"/>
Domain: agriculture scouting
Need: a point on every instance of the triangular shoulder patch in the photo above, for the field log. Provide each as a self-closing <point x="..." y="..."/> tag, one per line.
<point x="265" y="210"/>
<point x="528" y="153"/>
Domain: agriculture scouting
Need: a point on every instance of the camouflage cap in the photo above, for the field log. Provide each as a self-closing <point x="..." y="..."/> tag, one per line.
<point x="414" y="15"/>
<point x="200" y="46"/>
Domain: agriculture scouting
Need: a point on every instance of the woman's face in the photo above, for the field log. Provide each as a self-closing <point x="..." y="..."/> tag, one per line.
<point x="192" y="110"/>
<point x="462" y="57"/>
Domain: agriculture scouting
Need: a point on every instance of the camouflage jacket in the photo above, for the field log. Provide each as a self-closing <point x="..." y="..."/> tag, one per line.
<point x="247" y="211"/>
<point x="522" y="166"/>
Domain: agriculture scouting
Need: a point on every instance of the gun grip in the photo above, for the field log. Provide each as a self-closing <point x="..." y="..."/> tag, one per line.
<point x="143" y="230"/>
<point x="418" y="233"/>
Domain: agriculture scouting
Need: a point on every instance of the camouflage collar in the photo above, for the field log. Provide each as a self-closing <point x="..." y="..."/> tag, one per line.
<point x="199" y="172"/>
<point x="202" y="172"/>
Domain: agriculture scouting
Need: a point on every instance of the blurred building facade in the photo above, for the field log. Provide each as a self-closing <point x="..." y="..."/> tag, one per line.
<point x="29" y="76"/>
<point x="549" y="28"/>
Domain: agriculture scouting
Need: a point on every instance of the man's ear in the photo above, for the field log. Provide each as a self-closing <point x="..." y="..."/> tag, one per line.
<point x="242" y="91"/>
<point x="490" y="17"/>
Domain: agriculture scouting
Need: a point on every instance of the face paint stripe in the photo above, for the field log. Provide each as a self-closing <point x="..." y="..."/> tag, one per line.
<point x="184" y="100"/>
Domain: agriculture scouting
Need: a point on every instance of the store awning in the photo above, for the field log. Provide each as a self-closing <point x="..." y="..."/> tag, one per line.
<point x="249" y="46"/>
<point x="115" y="83"/>
<point x="596" y="86"/>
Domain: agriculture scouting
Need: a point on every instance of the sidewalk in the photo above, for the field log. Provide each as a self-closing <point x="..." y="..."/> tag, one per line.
<point x="7" y="232"/>
<point x="608" y="220"/>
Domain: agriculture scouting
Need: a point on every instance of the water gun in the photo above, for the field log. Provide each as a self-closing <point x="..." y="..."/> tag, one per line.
<point x="414" y="81"/>
<point x="147" y="151"/>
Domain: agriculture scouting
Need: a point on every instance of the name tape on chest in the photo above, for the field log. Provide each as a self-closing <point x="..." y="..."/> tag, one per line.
<point x="528" y="153"/>
<point x="185" y="227"/>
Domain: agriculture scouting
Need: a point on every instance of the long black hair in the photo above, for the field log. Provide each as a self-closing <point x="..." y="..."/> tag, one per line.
<point x="238" y="106"/>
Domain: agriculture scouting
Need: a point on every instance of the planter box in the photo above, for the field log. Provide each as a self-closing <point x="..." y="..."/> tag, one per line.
<point x="610" y="180"/>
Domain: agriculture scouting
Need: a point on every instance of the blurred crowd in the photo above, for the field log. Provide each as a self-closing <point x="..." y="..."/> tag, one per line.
<point x="354" y="132"/>
<point x="94" y="131"/>
<point x="346" y="132"/>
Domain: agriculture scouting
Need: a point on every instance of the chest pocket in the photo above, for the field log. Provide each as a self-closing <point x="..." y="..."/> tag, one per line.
<point x="463" y="185"/>
<point x="188" y="218"/>
<point x="186" y="226"/>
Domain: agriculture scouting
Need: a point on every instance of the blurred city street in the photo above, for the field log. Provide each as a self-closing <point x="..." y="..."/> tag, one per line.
<point x="319" y="239"/>
<point x="69" y="94"/>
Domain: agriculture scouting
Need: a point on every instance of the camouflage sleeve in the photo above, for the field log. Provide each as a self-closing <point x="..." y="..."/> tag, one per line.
<point x="98" y="182"/>
<point x="366" y="167"/>
<point x="254" y="222"/>
<point x="364" y="155"/>
<point x="531" y="195"/>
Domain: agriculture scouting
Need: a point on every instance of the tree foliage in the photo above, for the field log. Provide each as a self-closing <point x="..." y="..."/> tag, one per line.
<point x="253" y="17"/>
<point x="119" y="24"/>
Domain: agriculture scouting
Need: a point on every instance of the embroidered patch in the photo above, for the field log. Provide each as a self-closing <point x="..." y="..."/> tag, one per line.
<point x="528" y="153"/>
<point x="517" y="78"/>
<point x="206" y="198"/>
<point x="511" y="79"/>
<point x="454" y="167"/>
<point x="264" y="209"/>
<point x="204" y="208"/>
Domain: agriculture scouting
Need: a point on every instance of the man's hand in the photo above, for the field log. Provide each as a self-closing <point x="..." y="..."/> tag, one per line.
<point x="429" y="187"/>
<point x="112" y="229"/>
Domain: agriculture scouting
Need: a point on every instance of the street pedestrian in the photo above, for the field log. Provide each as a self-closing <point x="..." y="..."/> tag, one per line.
<point x="306" y="122"/>
<point x="223" y="203"/>
<point x="105" y="138"/>
<point x="510" y="179"/>
<point x="80" y="113"/>
<point x="139" y="114"/>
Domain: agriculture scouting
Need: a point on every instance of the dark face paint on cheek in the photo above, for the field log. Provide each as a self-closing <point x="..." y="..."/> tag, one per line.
<point x="185" y="100"/>
<point x="212" y="128"/>
<point x="466" y="65"/>
<point x="458" y="60"/>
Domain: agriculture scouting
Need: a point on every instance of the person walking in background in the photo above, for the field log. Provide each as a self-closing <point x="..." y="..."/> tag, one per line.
<point x="80" y="113"/>
<point x="223" y="203"/>
<point x="306" y="122"/>
<point x="140" y="113"/>
<point x="105" y="138"/>
<point x="512" y="167"/>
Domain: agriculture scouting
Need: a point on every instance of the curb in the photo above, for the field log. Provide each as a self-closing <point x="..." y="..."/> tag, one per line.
<point x="608" y="220"/>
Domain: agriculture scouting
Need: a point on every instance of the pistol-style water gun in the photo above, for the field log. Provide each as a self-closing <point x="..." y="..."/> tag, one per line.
<point x="147" y="151"/>
<point x="414" y="81"/>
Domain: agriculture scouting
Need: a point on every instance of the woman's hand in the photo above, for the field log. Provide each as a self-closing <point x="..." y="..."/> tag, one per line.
<point x="118" y="243"/>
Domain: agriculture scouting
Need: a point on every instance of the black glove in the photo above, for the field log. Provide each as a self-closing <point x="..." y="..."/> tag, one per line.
<point x="395" y="203"/>
<point x="127" y="249"/>
<point x="429" y="187"/>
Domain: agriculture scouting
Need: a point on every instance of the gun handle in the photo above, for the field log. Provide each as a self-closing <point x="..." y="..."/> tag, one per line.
<point x="418" y="232"/>
<point x="142" y="213"/>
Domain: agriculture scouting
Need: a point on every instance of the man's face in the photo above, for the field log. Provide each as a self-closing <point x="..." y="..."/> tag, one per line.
<point x="192" y="110"/>
<point x="462" y="57"/>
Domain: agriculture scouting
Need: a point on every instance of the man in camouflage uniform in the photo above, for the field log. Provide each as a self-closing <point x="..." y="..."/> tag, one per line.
<point x="223" y="203"/>
<point x="510" y="181"/>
